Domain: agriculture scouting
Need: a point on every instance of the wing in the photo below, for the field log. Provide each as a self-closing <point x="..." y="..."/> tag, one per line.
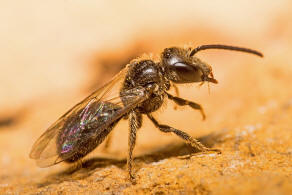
<point x="86" y="123"/>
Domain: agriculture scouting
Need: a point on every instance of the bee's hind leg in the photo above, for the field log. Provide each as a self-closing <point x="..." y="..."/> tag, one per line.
<point x="107" y="143"/>
<point x="190" y="140"/>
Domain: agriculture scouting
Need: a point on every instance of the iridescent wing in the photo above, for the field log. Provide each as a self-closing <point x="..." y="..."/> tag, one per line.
<point x="86" y="123"/>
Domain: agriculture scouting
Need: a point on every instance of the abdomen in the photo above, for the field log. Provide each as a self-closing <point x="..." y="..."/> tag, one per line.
<point x="84" y="132"/>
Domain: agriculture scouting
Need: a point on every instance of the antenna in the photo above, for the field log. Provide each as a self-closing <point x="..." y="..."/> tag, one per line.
<point x="226" y="47"/>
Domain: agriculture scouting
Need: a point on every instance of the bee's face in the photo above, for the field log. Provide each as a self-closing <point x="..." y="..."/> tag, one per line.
<point x="183" y="68"/>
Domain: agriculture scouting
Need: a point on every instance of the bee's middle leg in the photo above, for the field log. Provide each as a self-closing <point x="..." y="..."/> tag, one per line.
<point x="135" y="122"/>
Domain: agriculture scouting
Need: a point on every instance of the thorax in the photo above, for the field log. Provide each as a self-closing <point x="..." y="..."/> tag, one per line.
<point x="141" y="74"/>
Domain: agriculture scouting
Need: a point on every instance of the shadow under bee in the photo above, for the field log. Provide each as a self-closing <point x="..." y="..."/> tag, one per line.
<point x="88" y="167"/>
<point x="8" y="121"/>
<point x="12" y="118"/>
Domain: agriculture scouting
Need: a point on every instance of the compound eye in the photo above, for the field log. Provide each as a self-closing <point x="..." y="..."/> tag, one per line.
<point x="186" y="73"/>
<point x="182" y="68"/>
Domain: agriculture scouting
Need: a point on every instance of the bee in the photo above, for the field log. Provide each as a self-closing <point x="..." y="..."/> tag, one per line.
<point x="139" y="89"/>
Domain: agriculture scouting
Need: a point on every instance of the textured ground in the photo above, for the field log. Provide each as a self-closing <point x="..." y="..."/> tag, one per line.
<point x="49" y="62"/>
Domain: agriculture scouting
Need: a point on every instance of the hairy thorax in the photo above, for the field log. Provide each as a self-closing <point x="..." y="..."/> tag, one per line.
<point x="141" y="74"/>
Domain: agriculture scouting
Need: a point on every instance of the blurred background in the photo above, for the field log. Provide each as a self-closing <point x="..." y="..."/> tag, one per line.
<point x="54" y="53"/>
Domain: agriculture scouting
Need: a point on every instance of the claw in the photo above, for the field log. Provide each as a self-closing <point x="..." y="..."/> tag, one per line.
<point x="218" y="151"/>
<point x="203" y="115"/>
<point x="132" y="179"/>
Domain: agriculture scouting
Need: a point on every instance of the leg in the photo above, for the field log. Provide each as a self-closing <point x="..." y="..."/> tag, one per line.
<point x="108" y="142"/>
<point x="193" y="142"/>
<point x="183" y="102"/>
<point x="135" y="122"/>
<point x="175" y="89"/>
<point x="176" y="93"/>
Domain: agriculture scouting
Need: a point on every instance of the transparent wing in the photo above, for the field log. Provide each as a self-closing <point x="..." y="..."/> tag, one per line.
<point x="86" y="123"/>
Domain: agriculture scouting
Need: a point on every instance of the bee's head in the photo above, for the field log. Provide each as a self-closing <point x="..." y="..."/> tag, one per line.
<point x="183" y="67"/>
